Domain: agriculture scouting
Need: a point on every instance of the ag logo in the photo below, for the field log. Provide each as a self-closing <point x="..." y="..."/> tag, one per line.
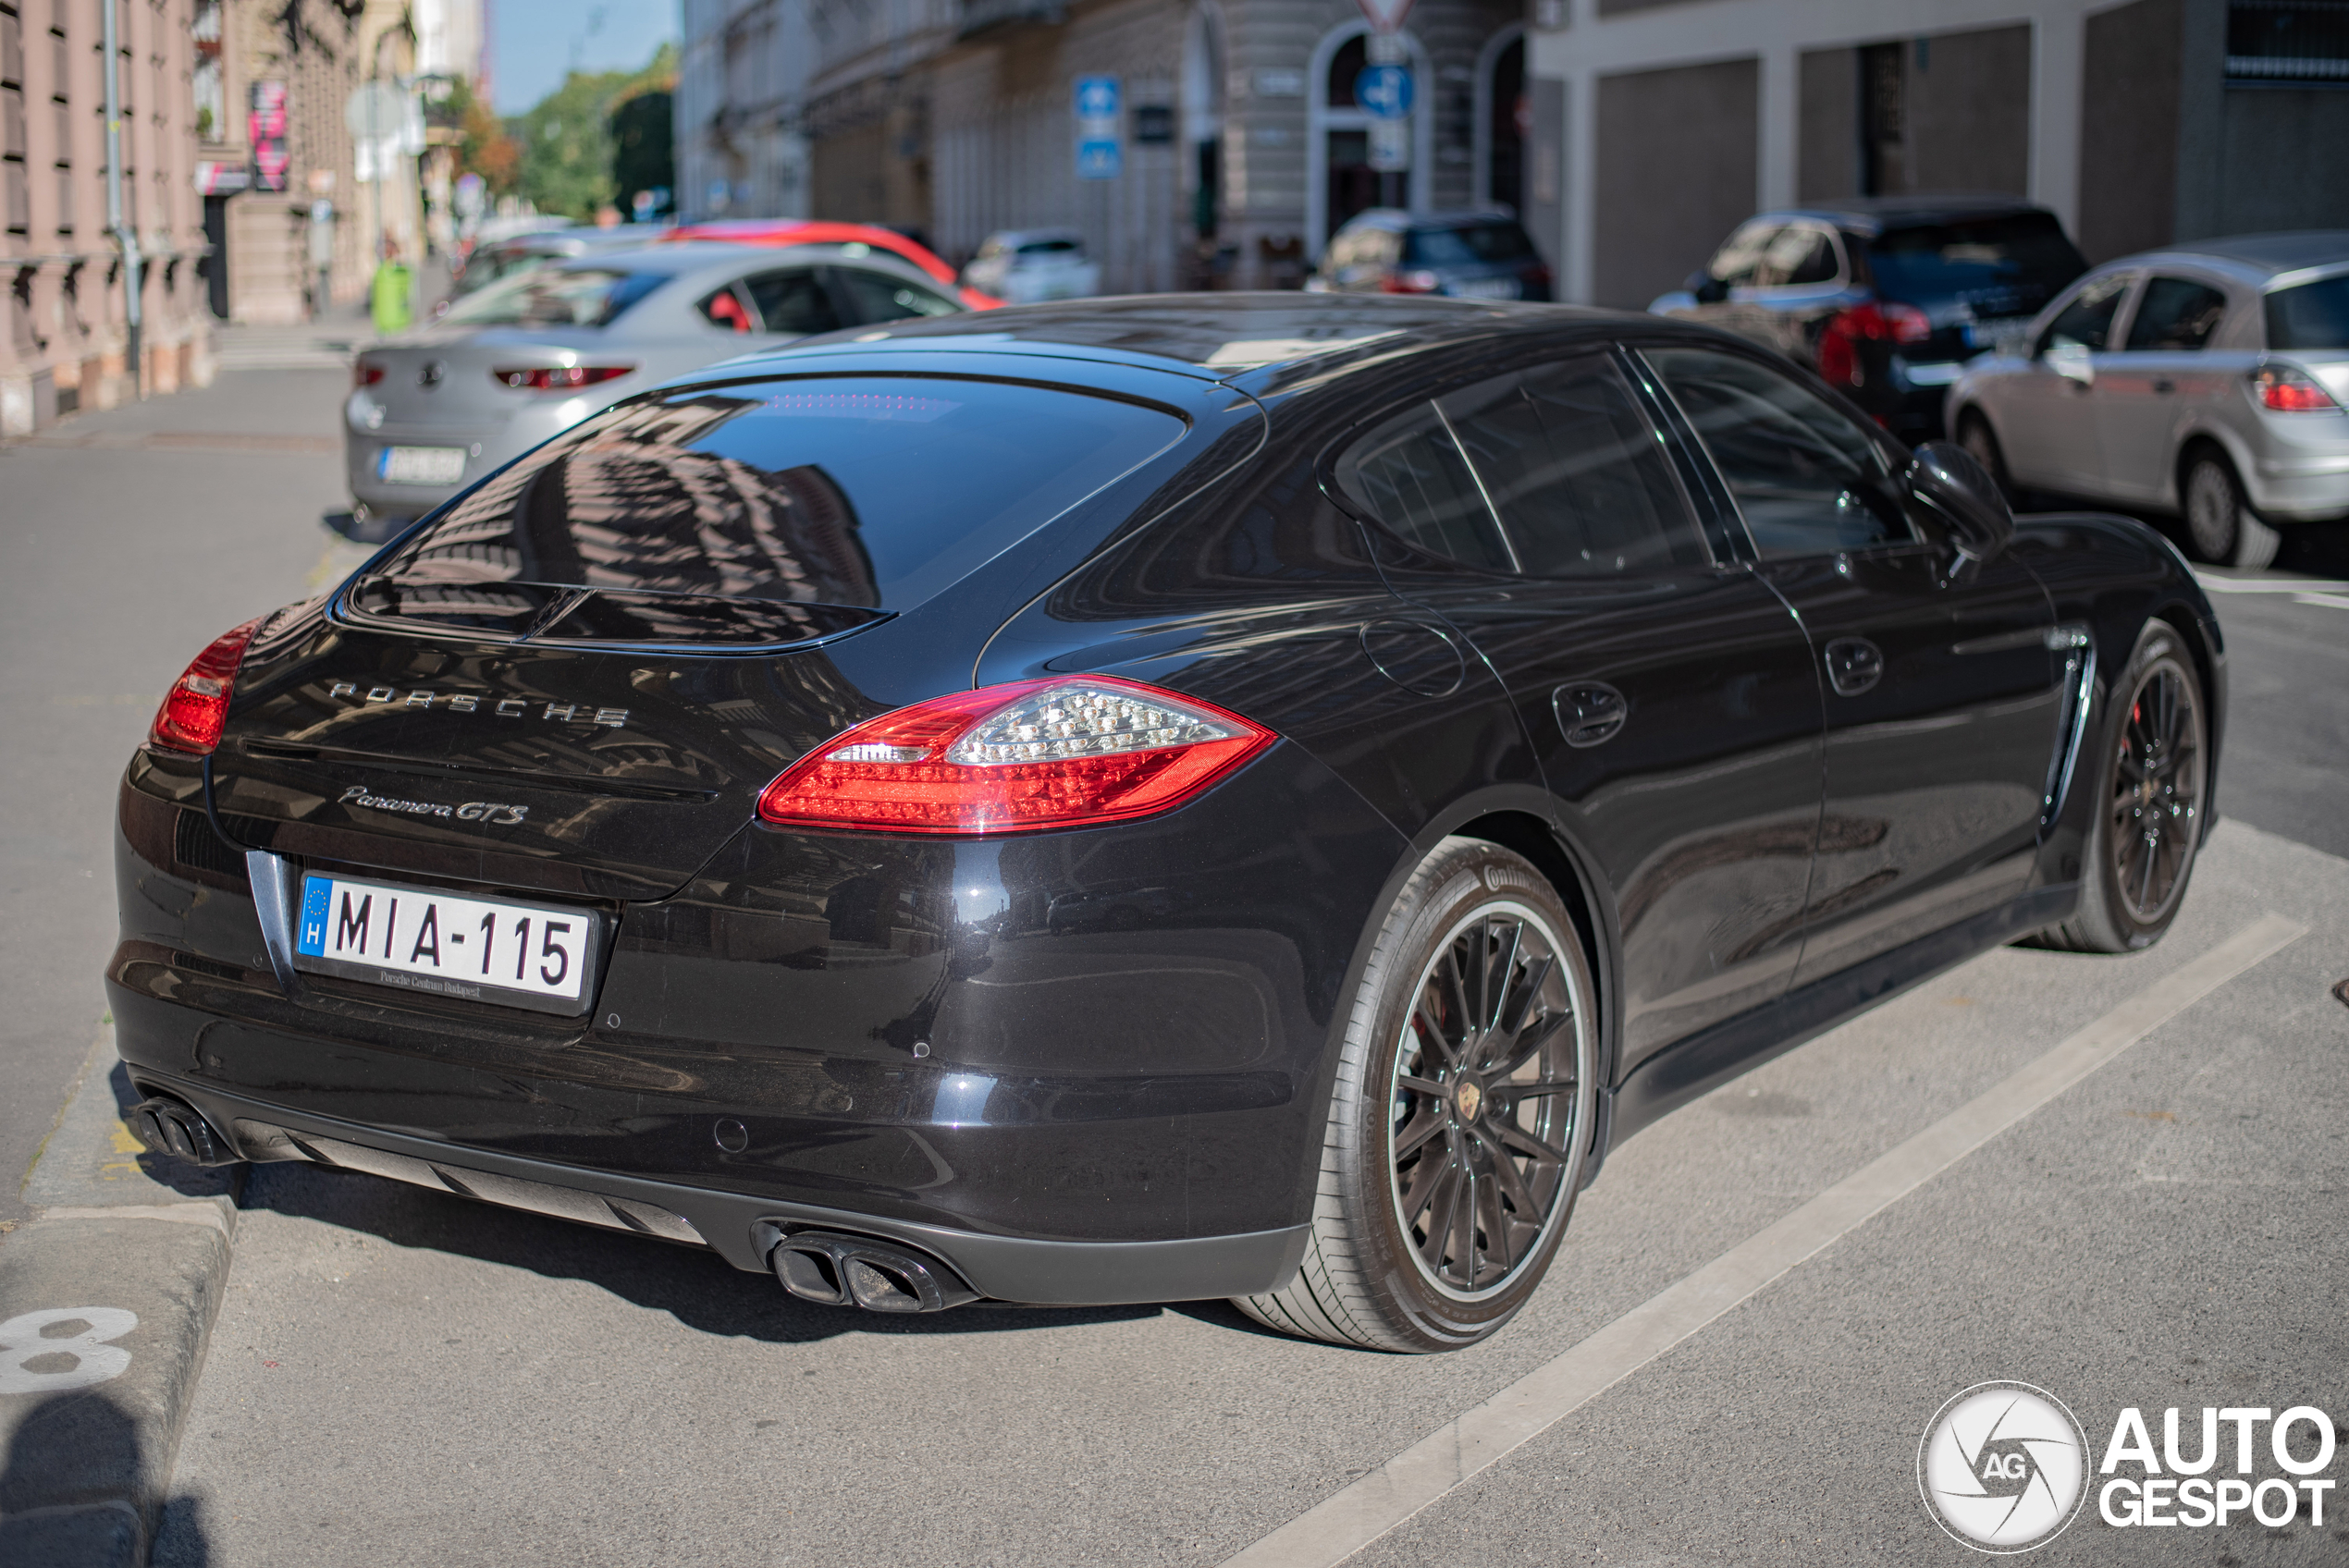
<point x="2003" y="1467"/>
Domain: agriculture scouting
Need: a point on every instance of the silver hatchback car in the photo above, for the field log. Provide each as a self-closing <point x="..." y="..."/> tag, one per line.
<point x="535" y="352"/>
<point x="2209" y="380"/>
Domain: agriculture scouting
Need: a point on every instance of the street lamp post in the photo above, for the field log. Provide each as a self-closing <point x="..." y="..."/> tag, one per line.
<point x="126" y="236"/>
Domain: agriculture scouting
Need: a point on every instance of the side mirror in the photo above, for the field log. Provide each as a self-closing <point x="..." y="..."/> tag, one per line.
<point x="2072" y="361"/>
<point x="1710" y="290"/>
<point x="1963" y="490"/>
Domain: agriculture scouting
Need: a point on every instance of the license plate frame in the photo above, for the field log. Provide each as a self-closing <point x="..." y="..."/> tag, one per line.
<point x="427" y="466"/>
<point x="323" y="922"/>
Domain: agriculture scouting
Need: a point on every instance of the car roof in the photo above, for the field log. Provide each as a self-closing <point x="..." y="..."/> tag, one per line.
<point x="1873" y="214"/>
<point x="1398" y="221"/>
<point x="678" y="258"/>
<point x="1032" y="236"/>
<point x="1220" y="337"/>
<point x="2257" y="257"/>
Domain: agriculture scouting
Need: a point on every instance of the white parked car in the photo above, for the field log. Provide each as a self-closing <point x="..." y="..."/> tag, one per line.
<point x="1023" y="266"/>
<point x="2209" y="380"/>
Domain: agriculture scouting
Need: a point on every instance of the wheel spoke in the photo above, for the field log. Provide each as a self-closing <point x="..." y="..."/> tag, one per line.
<point x="1416" y="1132"/>
<point x="1454" y="984"/>
<point x="1431" y="1026"/>
<point x="1497" y="1218"/>
<point x="1534" y="1040"/>
<point x="1537" y="974"/>
<point x="1510" y="1179"/>
<point x="1536" y="1090"/>
<point x="1524" y="1142"/>
<point x="1427" y="1185"/>
<point x="1498" y="994"/>
<point x="1427" y="1086"/>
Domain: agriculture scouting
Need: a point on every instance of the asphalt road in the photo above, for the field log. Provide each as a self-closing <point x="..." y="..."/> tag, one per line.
<point x="398" y="1377"/>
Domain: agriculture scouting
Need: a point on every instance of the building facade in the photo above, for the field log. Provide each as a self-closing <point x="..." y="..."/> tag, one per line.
<point x="741" y="84"/>
<point x="66" y="344"/>
<point x="2138" y="123"/>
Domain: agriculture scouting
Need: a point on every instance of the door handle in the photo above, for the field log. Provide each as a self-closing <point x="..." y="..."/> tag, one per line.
<point x="2165" y="386"/>
<point x="1590" y="713"/>
<point x="1854" y="664"/>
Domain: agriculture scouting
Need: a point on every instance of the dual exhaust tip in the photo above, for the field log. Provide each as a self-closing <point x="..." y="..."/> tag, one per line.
<point x="170" y="1126"/>
<point x="833" y="1269"/>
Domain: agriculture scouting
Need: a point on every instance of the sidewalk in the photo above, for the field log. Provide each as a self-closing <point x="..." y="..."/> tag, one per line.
<point x="326" y="343"/>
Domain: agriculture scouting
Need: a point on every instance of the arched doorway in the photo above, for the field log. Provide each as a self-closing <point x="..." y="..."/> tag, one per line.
<point x="1501" y="120"/>
<point x="1339" y="181"/>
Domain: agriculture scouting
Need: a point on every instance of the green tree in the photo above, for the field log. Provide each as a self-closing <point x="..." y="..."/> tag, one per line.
<point x="567" y="142"/>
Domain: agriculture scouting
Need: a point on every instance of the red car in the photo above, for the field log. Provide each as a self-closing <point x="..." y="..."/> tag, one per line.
<point x="815" y="231"/>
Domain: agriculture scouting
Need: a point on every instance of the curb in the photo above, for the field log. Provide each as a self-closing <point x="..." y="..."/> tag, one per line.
<point x="122" y="1268"/>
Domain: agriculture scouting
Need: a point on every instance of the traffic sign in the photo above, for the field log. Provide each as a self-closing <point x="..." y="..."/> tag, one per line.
<point x="1100" y="158"/>
<point x="375" y="111"/>
<point x="1386" y="16"/>
<point x="1385" y="91"/>
<point x="1098" y="98"/>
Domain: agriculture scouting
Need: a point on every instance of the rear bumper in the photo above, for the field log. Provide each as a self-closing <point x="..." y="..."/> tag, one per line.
<point x="2295" y="487"/>
<point x="1158" y="1080"/>
<point x="743" y="1228"/>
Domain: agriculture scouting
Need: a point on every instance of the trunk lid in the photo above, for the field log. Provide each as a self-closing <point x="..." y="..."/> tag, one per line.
<point x="579" y="766"/>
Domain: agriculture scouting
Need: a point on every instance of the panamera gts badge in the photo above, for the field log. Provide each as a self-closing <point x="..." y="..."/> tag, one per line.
<point x="495" y="813"/>
<point x="479" y="702"/>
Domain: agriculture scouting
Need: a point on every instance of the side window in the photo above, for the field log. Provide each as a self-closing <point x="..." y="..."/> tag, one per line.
<point x="2176" y="314"/>
<point x="792" y="301"/>
<point x="1410" y="474"/>
<point x="1738" y="257"/>
<point x="1800" y="256"/>
<point x="1572" y="465"/>
<point x="1807" y="477"/>
<point x="2087" y="322"/>
<point x="879" y="296"/>
<point x="726" y="309"/>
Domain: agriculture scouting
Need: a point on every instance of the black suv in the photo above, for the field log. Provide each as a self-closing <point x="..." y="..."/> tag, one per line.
<point x="1886" y="297"/>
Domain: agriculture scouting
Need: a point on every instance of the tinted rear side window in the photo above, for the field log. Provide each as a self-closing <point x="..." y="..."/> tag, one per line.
<point x="1469" y="245"/>
<point x="555" y="297"/>
<point x="867" y="491"/>
<point x="2008" y="265"/>
<point x="2314" y="316"/>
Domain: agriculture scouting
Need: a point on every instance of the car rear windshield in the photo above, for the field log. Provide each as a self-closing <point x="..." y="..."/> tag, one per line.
<point x="868" y="492"/>
<point x="1468" y="245"/>
<point x="2008" y="265"/>
<point x="555" y="297"/>
<point x="2310" y="315"/>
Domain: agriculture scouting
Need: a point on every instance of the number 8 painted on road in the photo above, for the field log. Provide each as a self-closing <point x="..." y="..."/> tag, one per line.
<point x="94" y="1360"/>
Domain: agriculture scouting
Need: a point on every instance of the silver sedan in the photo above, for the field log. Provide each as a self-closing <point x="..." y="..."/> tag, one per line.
<point x="533" y="354"/>
<point x="2210" y="381"/>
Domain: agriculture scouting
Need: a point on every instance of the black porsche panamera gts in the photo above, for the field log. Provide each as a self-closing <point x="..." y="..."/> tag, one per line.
<point x="1241" y="796"/>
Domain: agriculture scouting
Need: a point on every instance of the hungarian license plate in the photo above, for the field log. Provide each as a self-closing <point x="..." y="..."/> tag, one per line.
<point x="421" y="465"/>
<point x="423" y="939"/>
<point x="1486" y="289"/>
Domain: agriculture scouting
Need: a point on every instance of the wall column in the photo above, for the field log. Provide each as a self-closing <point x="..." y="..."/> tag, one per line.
<point x="2059" y="49"/>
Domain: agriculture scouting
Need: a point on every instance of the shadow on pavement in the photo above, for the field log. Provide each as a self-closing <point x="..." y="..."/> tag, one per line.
<point x="73" y="1460"/>
<point x="698" y="1289"/>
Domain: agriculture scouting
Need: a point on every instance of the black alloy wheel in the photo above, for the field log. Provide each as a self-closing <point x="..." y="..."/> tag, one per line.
<point x="2150" y="789"/>
<point x="1459" y="1124"/>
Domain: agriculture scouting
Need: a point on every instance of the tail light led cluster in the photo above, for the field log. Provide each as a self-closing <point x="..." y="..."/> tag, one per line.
<point x="365" y="374"/>
<point x="2289" y="391"/>
<point x="556" y="378"/>
<point x="1014" y="758"/>
<point x="1417" y="282"/>
<point x="196" y="708"/>
<point x="1878" y="322"/>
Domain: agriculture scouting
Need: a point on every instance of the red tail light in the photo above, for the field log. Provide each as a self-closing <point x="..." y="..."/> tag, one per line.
<point x="1063" y="752"/>
<point x="2289" y="391"/>
<point x="1410" y="283"/>
<point x="196" y="707"/>
<point x="556" y="378"/>
<point x="366" y="374"/>
<point x="1879" y="322"/>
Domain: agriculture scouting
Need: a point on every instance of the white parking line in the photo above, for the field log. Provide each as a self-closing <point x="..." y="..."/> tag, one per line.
<point x="1421" y="1475"/>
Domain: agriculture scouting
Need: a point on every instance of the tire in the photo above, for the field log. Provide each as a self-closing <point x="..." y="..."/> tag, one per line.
<point x="1499" y="1086"/>
<point x="2149" y="779"/>
<point x="1982" y="443"/>
<point x="2220" y="525"/>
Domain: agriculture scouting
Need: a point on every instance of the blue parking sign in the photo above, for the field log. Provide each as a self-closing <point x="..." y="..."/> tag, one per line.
<point x="1100" y="158"/>
<point x="1385" y="91"/>
<point x="1098" y="98"/>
